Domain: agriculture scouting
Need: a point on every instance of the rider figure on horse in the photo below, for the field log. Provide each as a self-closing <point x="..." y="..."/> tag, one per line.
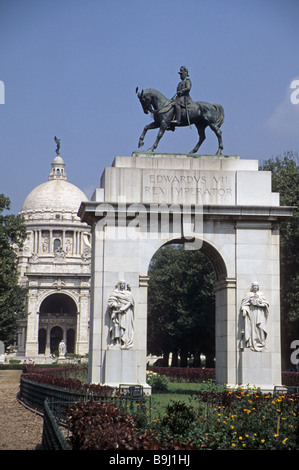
<point x="182" y="99"/>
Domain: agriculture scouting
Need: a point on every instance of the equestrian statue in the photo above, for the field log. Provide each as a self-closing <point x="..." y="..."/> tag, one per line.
<point x="180" y="111"/>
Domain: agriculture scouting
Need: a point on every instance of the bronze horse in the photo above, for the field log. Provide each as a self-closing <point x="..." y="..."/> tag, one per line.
<point x="200" y="114"/>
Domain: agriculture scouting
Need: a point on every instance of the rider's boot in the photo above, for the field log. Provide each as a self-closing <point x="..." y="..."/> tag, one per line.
<point x="178" y="113"/>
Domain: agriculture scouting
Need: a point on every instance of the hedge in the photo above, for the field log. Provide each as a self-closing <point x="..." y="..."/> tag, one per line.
<point x="198" y="374"/>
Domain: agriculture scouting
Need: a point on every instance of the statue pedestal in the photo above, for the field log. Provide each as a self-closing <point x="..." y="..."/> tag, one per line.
<point x="61" y="360"/>
<point x="120" y="368"/>
<point x="256" y="370"/>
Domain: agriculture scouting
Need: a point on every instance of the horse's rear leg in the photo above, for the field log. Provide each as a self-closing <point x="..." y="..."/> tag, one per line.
<point x="219" y="137"/>
<point x="202" y="137"/>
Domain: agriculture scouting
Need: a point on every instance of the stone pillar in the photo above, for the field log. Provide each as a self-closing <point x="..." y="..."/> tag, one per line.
<point x="51" y="241"/>
<point x="260" y="262"/>
<point x="47" y="349"/>
<point x="225" y="331"/>
<point x="82" y="324"/>
<point x="32" y="324"/>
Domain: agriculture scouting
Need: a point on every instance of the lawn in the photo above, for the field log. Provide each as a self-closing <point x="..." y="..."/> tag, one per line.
<point x="176" y="391"/>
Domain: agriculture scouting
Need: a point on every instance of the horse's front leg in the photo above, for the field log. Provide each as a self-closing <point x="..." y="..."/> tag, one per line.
<point x="152" y="125"/>
<point x="159" y="136"/>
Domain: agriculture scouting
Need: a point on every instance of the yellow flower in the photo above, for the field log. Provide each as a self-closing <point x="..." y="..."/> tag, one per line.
<point x="240" y="437"/>
<point x="231" y="426"/>
<point x="284" y="441"/>
<point x="262" y="440"/>
<point x="233" y="444"/>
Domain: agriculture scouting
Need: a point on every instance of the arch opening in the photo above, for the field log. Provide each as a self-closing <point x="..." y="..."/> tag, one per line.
<point x="58" y="304"/>
<point x="57" y="321"/>
<point x="202" y="333"/>
<point x="56" y="335"/>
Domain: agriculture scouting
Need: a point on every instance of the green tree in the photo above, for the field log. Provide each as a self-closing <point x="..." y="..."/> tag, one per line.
<point x="285" y="180"/>
<point x="181" y="304"/>
<point x="12" y="296"/>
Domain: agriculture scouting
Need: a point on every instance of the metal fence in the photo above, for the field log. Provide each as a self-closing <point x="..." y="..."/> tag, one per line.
<point x="53" y="402"/>
<point x="53" y="436"/>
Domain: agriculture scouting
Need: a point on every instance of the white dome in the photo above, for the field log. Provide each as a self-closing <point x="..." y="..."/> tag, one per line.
<point x="54" y="195"/>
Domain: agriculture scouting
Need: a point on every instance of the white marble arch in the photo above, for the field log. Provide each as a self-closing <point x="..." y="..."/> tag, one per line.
<point x="239" y="232"/>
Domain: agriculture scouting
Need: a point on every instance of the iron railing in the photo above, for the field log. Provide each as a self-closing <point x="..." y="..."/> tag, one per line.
<point x="53" y="402"/>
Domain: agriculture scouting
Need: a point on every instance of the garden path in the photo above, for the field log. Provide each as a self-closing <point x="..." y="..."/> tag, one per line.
<point x="20" y="428"/>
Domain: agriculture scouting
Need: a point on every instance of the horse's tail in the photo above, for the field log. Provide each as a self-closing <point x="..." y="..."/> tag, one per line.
<point x="220" y="115"/>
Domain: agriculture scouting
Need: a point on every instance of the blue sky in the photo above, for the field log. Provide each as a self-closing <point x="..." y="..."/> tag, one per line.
<point x="70" y="68"/>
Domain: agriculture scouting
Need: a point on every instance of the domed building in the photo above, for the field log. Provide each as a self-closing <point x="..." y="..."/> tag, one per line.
<point x="54" y="267"/>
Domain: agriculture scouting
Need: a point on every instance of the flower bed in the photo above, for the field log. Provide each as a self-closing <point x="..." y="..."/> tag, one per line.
<point x="243" y="420"/>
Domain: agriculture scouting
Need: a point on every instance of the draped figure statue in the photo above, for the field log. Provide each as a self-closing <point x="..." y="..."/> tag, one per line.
<point x="121" y="310"/>
<point x="255" y="311"/>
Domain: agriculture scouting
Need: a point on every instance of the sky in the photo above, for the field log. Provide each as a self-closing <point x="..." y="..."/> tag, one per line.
<point x="70" y="68"/>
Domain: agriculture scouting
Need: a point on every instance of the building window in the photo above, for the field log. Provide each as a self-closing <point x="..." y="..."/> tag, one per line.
<point x="57" y="244"/>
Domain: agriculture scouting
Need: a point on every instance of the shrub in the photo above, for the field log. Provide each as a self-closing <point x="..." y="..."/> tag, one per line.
<point x="198" y="374"/>
<point x="290" y="379"/>
<point x="178" y="418"/>
<point x="101" y="426"/>
<point x="58" y="377"/>
<point x="156" y="381"/>
<point x="185" y="374"/>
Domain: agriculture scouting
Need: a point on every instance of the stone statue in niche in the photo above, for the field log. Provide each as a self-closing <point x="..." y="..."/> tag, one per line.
<point x="59" y="253"/>
<point x="69" y="246"/>
<point x="255" y="311"/>
<point x="121" y="310"/>
<point x="45" y="245"/>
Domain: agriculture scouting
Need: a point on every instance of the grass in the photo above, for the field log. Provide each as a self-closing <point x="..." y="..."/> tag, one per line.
<point x="177" y="391"/>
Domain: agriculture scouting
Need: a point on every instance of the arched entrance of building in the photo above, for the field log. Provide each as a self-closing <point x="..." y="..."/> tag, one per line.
<point x="56" y="335"/>
<point x="57" y="321"/>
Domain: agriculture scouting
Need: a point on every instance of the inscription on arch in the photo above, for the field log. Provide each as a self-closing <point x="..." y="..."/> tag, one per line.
<point x="199" y="187"/>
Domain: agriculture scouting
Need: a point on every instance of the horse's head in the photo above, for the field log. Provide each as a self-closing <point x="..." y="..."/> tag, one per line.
<point x="145" y="101"/>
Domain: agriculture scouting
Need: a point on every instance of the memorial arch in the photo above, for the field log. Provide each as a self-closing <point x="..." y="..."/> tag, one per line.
<point x="222" y="205"/>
